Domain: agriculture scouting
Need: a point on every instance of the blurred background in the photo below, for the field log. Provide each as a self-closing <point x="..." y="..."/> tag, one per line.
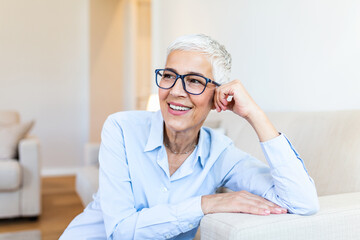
<point x="68" y="64"/>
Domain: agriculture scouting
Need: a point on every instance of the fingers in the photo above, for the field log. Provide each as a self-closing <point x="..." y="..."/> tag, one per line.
<point x="241" y="202"/>
<point x="221" y="97"/>
<point x="254" y="204"/>
<point x="239" y="102"/>
<point x="265" y="204"/>
<point x="263" y="200"/>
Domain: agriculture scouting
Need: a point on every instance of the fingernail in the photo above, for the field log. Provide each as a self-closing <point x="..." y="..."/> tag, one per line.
<point x="279" y="210"/>
<point x="267" y="211"/>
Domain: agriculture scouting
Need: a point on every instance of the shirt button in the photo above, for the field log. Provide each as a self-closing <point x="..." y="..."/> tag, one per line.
<point x="191" y="226"/>
<point x="167" y="236"/>
<point x="164" y="189"/>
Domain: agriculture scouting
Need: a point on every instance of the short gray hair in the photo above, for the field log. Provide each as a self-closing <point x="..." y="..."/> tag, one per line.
<point x="219" y="58"/>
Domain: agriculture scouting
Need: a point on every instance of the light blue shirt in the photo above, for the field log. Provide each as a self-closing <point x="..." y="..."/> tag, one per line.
<point x="138" y="199"/>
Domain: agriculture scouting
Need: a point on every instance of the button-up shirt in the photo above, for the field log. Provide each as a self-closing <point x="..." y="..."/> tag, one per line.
<point x="139" y="199"/>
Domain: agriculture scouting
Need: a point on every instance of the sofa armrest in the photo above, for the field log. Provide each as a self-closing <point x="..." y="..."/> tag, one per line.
<point x="30" y="194"/>
<point x="338" y="218"/>
<point x="87" y="183"/>
<point x="92" y="154"/>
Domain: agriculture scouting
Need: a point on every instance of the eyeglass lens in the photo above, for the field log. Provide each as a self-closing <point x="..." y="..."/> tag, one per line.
<point x="193" y="83"/>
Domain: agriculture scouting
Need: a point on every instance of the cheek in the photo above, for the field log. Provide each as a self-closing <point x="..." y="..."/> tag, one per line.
<point x="211" y="99"/>
<point x="163" y="94"/>
<point x="205" y="102"/>
<point x="209" y="102"/>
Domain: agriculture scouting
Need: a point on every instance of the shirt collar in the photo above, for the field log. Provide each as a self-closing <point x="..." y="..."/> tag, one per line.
<point x="203" y="147"/>
<point x="209" y="141"/>
<point x="156" y="135"/>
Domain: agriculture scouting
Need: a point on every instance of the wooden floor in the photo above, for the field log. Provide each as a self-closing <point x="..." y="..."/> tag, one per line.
<point x="60" y="204"/>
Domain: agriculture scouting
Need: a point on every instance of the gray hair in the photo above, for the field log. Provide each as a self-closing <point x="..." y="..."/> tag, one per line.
<point x="219" y="58"/>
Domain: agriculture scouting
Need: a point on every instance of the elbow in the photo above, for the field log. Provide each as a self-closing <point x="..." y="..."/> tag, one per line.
<point x="307" y="208"/>
<point x="306" y="202"/>
<point x="314" y="208"/>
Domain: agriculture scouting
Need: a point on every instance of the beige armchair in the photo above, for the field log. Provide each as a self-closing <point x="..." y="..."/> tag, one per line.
<point x="20" y="172"/>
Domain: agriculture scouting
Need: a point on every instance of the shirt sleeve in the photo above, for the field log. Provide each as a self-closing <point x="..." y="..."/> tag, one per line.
<point x="285" y="182"/>
<point x="122" y="220"/>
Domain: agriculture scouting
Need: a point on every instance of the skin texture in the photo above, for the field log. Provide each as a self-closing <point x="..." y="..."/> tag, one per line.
<point x="182" y="128"/>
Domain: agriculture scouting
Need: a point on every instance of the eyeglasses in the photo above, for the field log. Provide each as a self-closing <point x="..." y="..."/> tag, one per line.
<point x="194" y="84"/>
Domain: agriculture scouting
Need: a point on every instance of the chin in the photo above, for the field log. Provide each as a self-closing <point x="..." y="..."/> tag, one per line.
<point x="175" y="125"/>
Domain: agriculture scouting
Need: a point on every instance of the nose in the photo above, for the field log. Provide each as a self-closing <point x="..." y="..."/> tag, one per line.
<point x="178" y="89"/>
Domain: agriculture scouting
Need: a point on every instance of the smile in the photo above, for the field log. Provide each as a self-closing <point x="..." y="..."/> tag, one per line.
<point x="179" y="108"/>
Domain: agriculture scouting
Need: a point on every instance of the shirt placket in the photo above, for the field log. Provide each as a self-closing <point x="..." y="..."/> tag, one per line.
<point x="163" y="189"/>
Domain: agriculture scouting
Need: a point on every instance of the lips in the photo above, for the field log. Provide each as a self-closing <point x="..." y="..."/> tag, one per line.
<point x="178" y="108"/>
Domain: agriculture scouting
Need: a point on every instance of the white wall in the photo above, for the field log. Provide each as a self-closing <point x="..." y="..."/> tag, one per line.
<point x="290" y="55"/>
<point x="44" y="74"/>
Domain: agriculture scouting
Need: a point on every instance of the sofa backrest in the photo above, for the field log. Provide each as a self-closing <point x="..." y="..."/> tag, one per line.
<point x="328" y="142"/>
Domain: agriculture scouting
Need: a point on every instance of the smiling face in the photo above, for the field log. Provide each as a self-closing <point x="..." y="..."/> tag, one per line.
<point x="182" y="111"/>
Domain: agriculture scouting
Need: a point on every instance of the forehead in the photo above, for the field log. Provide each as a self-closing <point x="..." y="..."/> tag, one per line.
<point x="188" y="61"/>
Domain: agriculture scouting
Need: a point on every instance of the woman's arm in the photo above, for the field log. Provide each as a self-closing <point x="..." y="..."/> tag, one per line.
<point x="290" y="185"/>
<point x="285" y="183"/>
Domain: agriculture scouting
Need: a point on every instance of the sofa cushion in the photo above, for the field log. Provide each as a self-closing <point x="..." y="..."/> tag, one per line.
<point x="10" y="135"/>
<point x="10" y="175"/>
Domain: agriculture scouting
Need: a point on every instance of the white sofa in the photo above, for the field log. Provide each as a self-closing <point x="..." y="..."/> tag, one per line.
<point x="20" y="183"/>
<point x="87" y="178"/>
<point x="329" y="144"/>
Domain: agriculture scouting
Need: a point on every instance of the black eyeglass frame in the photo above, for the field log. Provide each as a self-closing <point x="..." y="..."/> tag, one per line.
<point x="182" y="77"/>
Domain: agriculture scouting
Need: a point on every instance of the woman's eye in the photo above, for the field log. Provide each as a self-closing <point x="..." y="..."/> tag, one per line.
<point x="196" y="81"/>
<point x="167" y="75"/>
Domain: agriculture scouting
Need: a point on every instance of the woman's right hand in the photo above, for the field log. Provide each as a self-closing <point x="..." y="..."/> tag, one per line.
<point x="239" y="202"/>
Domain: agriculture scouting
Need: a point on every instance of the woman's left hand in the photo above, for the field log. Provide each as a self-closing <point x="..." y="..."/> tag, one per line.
<point x="241" y="103"/>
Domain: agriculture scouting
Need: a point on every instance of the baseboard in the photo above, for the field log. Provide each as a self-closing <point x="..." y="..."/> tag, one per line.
<point x="54" y="172"/>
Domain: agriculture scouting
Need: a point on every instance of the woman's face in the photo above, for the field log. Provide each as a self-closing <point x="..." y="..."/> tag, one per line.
<point x="183" y="111"/>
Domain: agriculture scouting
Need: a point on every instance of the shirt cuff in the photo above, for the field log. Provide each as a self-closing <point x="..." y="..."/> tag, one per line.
<point x="279" y="151"/>
<point x="189" y="214"/>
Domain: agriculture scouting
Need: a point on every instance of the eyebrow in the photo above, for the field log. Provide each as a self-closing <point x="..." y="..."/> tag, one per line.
<point x="196" y="73"/>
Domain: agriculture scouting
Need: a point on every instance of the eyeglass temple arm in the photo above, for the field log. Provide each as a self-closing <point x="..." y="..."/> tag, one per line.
<point x="217" y="84"/>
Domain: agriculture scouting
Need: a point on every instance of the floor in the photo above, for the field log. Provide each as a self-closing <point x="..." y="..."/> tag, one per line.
<point x="60" y="204"/>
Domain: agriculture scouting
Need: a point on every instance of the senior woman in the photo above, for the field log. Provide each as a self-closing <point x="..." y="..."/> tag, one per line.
<point x="159" y="171"/>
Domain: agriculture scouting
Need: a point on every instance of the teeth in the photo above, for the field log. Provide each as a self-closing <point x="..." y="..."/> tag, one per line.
<point x="178" y="108"/>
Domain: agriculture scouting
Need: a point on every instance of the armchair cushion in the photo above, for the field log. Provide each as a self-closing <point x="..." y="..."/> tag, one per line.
<point x="10" y="175"/>
<point x="10" y="135"/>
<point x="20" y="183"/>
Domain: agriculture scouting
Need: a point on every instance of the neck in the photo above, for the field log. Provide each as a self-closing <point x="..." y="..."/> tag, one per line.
<point x="181" y="142"/>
